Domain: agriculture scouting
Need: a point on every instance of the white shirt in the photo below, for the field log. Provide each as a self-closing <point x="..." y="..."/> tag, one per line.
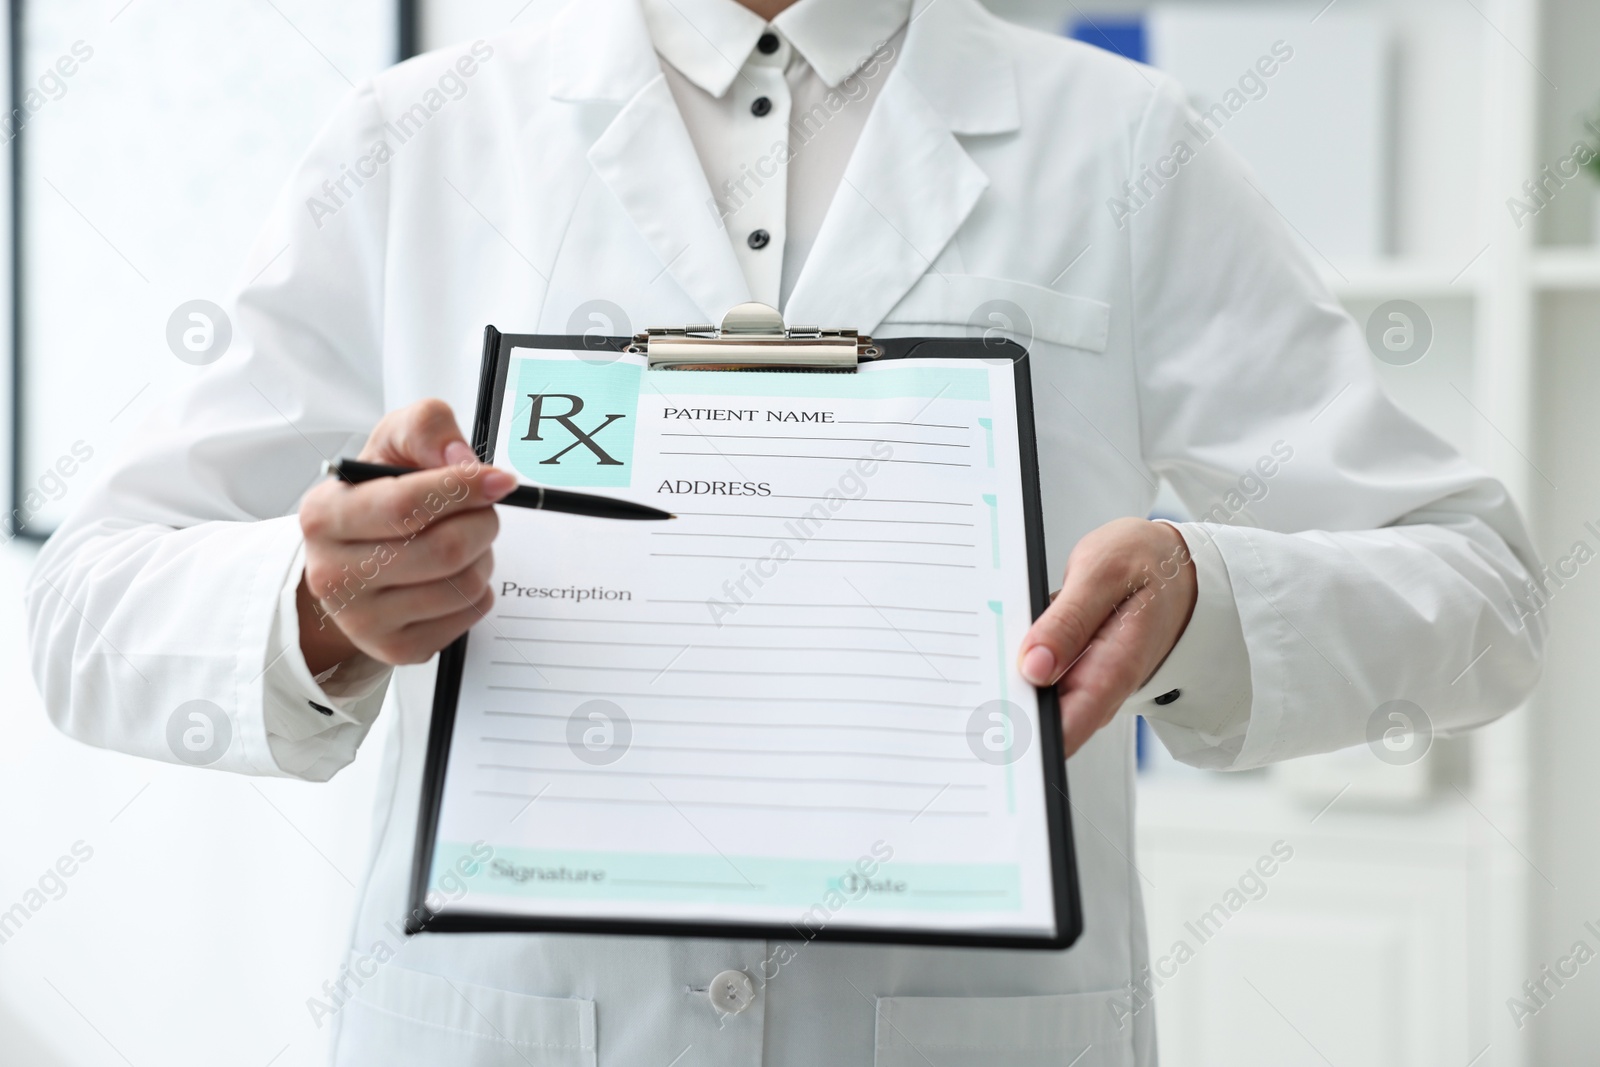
<point x="775" y="173"/>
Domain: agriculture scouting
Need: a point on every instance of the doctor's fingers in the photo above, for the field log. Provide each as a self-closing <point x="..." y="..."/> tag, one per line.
<point x="1105" y="567"/>
<point x="441" y="549"/>
<point x="400" y="508"/>
<point x="417" y="435"/>
<point x="402" y="605"/>
<point x="417" y="641"/>
<point x="1126" y="650"/>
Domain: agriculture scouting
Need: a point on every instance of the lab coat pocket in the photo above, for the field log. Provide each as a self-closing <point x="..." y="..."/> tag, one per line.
<point x="1023" y="311"/>
<point x="405" y="1018"/>
<point x="1051" y="1031"/>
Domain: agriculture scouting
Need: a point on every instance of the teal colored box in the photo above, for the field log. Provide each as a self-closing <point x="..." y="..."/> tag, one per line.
<point x="541" y="874"/>
<point x="573" y="422"/>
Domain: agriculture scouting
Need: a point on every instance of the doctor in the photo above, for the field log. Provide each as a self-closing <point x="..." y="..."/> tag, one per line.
<point x="897" y="166"/>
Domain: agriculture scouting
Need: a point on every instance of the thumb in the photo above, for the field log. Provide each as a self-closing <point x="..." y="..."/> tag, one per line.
<point x="418" y="435"/>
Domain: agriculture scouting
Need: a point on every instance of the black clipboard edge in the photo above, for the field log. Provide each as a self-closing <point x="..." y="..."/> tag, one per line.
<point x="452" y="660"/>
<point x="497" y="348"/>
<point x="492" y="369"/>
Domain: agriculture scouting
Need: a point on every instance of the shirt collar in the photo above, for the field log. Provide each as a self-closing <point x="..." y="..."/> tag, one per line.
<point x="709" y="40"/>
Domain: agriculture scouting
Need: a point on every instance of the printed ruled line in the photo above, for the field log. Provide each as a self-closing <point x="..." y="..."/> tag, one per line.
<point x="791" y="604"/>
<point x="875" y="783"/>
<point x="813" y="518"/>
<point x="820" y="440"/>
<point x="869" y="701"/>
<point x="715" y="724"/>
<point x="712" y="750"/>
<point x="870" y="500"/>
<point x="738" y="805"/>
<point x="736" y="625"/>
<point x="666" y="883"/>
<point x="892" y="422"/>
<point x="728" y="648"/>
<point x="828" y="540"/>
<point x="708" y="670"/>
<point x="803" y="559"/>
<point x="847" y="459"/>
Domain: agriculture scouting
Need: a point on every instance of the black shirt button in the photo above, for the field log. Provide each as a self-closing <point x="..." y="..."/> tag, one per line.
<point x="760" y="106"/>
<point x="1168" y="697"/>
<point x="767" y="43"/>
<point x="758" y="239"/>
<point x="321" y="709"/>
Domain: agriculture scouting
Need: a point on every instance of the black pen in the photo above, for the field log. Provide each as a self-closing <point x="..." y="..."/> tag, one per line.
<point x="537" y="497"/>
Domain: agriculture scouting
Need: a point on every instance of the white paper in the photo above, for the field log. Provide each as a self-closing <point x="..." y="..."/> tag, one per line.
<point x="797" y="703"/>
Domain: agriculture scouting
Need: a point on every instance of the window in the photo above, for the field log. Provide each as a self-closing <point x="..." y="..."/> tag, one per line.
<point x="151" y="140"/>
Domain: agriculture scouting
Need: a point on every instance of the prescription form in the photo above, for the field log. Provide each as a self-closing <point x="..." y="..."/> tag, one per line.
<point x="795" y="704"/>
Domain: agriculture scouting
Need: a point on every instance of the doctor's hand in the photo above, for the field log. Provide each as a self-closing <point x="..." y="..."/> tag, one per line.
<point x="1126" y="599"/>
<point x="398" y="568"/>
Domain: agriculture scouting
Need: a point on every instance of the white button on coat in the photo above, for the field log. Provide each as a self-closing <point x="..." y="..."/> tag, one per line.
<point x="731" y="992"/>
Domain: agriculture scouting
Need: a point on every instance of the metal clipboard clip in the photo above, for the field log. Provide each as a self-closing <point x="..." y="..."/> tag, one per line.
<point x="753" y="337"/>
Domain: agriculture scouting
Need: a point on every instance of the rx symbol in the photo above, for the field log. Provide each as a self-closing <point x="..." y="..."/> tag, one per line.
<point x="581" y="437"/>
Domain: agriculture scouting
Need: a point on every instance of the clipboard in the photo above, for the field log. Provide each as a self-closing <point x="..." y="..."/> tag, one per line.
<point x="754" y="338"/>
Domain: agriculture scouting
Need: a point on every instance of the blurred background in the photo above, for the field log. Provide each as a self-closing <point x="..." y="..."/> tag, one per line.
<point x="1429" y="153"/>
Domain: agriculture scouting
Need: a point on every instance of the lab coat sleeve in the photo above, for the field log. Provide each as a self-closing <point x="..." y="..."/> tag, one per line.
<point x="1367" y="560"/>
<point x="163" y="588"/>
<point x="336" y="707"/>
<point x="1201" y="692"/>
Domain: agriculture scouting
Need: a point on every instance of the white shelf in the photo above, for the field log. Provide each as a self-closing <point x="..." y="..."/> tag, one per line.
<point x="1563" y="268"/>
<point x="1574" y="268"/>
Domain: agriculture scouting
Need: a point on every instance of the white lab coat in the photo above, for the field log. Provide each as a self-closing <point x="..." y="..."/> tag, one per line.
<point x="1183" y="341"/>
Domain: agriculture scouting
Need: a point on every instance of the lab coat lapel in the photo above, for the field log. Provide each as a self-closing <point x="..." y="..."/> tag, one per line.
<point x="910" y="183"/>
<point x="602" y="53"/>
